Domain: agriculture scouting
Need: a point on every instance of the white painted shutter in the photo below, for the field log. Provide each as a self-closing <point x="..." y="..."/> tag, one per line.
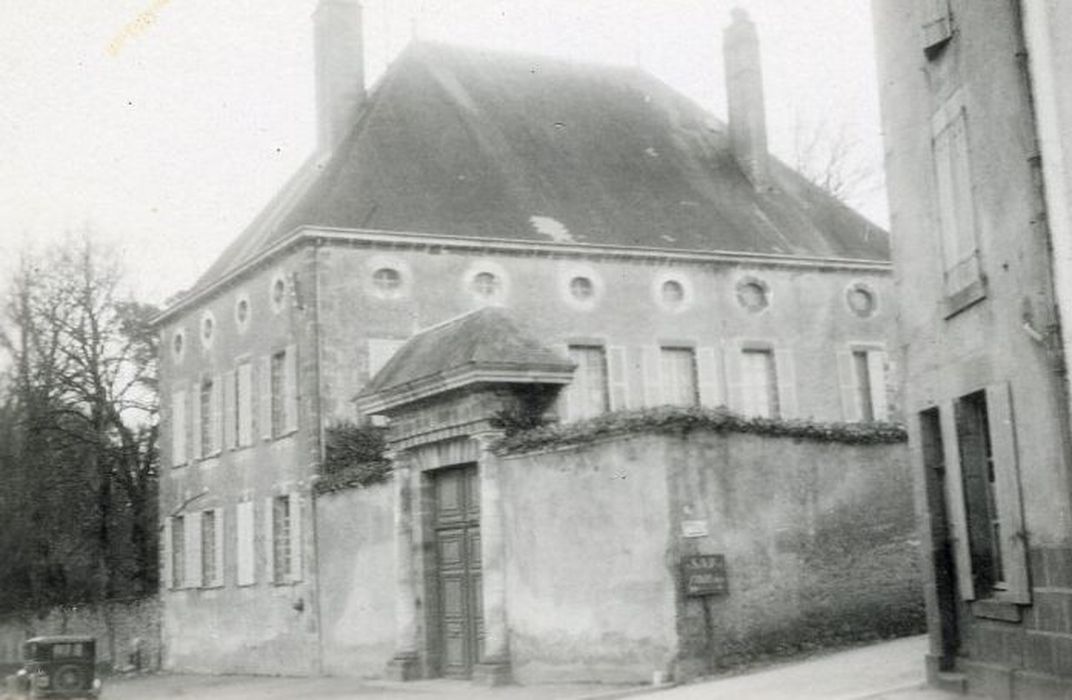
<point x="634" y="376"/>
<point x="178" y="427"/>
<point x="785" y="369"/>
<point x="380" y="351"/>
<point x="244" y="533"/>
<point x="215" y="402"/>
<point x="245" y="404"/>
<point x="653" y="388"/>
<point x="290" y="389"/>
<point x="295" y="537"/>
<point x="218" y="580"/>
<point x="264" y="396"/>
<point x="1010" y="508"/>
<point x="710" y="388"/>
<point x="876" y="374"/>
<point x="955" y="501"/>
<point x="166" y="553"/>
<point x="269" y="540"/>
<point x="846" y="370"/>
<point x="192" y="532"/>
<point x="616" y="367"/>
<point x="734" y="376"/>
<point x="230" y="433"/>
<point x="196" y="432"/>
<point x="937" y="23"/>
<point x="564" y="404"/>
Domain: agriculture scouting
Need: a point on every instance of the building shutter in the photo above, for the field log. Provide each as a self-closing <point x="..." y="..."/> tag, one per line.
<point x="196" y="429"/>
<point x="734" y="376"/>
<point x="616" y="371"/>
<point x="634" y="375"/>
<point x="178" y="426"/>
<point x="786" y="374"/>
<point x="295" y="537"/>
<point x="218" y="580"/>
<point x="876" y="372"/>
<point x="937" y="23"/>
<point x="850" y="411"/>
<point x="269" y="539"/>
<point x="1010" y="510"/>
<point x="230" y="438"/>
<point x="166" y="553"/>
<point x="565" y="395"/>
<point x="958" y="516"/>
<point x="290" y="389"/>
<point x="216" y="405"/>
<point x="245" y="404"/>
<point x="653" y="388"/>
<point x="264" y="396"/>
<point x="710" y="386"/>
<point x="192" y="532"/>
<point x="244" y="534"/>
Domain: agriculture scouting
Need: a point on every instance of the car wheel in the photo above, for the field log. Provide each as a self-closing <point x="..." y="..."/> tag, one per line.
<point x="67" y="679"/>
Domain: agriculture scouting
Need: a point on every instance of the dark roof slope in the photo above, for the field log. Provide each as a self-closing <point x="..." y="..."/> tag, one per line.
<point x="471" y="143"/>
<point x="486" y="338"/>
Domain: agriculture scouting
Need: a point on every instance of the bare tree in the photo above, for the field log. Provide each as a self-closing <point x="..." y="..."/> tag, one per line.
<point x="834" y="159"/>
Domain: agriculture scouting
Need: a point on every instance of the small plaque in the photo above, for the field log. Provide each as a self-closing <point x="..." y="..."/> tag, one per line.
<point x="705" y="574"/>
<point x="694" y="528"/>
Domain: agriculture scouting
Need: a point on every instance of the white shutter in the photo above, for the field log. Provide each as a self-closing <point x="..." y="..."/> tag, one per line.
<point x="653" y="388"/>
<point x="192" y="532"/>
<point x="264" y="396"/>
<point x="734" y="376"/>
<point x="245" y="404"/>
<point x="244" y="534"/>
<point x="269" y="540"/>
<point x="876" y="374"/>
<point x="616" y="378"/>
<point x="710" y="388"/>
<point x="1010" y="508"/>
<point x="565" y="396"/>
<point x="380" y="351"/>
<point x="295" y="537"/>
<point x="165" y="556"/>
<point x="634" y="377"/>
<point x="195" y="412"/>
<point x="785" y="370"/>
<point x="229" y="400"/>
<point x="219" y="518"/>
<point x="215" y="402"/>
<point x="178" y="427"/>
<point x="955" y="501"/>
<point x="937" y="23"/>
<point x="290" y="389"/>
<point x="846" y="369"/>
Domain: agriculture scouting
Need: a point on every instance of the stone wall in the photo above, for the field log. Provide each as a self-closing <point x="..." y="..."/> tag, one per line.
<point x="120" y="627"/>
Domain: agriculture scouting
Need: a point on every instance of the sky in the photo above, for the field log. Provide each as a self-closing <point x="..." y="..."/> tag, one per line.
<point x="163" y="126"/>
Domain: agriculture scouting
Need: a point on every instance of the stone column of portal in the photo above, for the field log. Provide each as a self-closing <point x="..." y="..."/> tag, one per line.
<point x="404" y="666"/>
<point x="494" y="667"/>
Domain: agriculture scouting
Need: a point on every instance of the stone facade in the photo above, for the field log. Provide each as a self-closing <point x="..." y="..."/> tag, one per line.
<point x="974" y="99"/>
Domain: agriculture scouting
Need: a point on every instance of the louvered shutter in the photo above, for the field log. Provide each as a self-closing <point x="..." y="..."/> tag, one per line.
<point x="564" y="404"/>
<point x="244" y="535"/>
<point x="616" y="371"/>
<point x="734" y="376"/>
<point x="197" y="431"/>
<point x="295" y="537"/>
<point x="166" y="552"/>
<point x="937" y="23"/>
<point x="245" y="404"/>
<point x="216" y="415"/>
<point x="192" y="532"/>
<point x="876" y="373"/>
<point x="264" y="397"/>
<point x="710" y="386"/>
<point x="653" y="388"/>
<point x="786" y="373"/>
<point x="178" y="427"/>
<point x="1007" y="474"/>
<point x="230" y="433"/>
<point x="269" y="539"/>
<point x="290" y="389"/>
<point x="850" y="410"/>
<point x="634" y="360"/>
<point x="219" y="518"/>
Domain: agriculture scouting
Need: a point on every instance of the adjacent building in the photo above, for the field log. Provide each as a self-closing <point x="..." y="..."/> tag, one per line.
<point x="977" y="115"/>
<point x="664" y="255"/>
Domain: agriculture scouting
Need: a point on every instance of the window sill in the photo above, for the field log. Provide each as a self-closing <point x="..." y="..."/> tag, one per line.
<point x="281" y="436"/>
<point x="997" y="609"/>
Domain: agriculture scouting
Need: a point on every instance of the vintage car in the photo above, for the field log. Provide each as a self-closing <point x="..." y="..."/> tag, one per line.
<point x="56" y="667"/>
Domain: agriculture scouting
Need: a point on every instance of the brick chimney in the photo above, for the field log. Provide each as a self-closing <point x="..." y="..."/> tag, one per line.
<point x="340" y="68"/>
<point x="744" y="98"/>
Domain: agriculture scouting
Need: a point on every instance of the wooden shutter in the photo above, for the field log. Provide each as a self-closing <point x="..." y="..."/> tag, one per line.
<point x="846" y="370"/>
<point x="215" y="403"/>
<point x="786" y="374"/>
<point x="269" y="539"/>
<point x="653" y="388"/>
<point x="166" y="553"/>
<point x="565" y="401"/>
<point x="634" y="373"/>
<point x="178" y="426"/>
<point x="195" y="412"/>
<point x="245" y="404"/>
<point x="244" y="535"/>
<point x="955" y="501"/>
<point x="616" y="377"/>
<point x="1010" y="509"/>
<point x="295" y="537"/>
<point x="937" y="23"/>
<point x="290" y="389"/>
<point x="876" y="373"/>
<point x="218" y="580"/>
<point x="264" y="396"/>
<point x="707" y="376"/>
<point x="734" y="376"/>
<point x="192" y="532"/>
<point x="230" y="433"/>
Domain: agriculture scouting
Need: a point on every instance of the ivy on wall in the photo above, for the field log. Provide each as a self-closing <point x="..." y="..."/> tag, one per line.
<point x="353" y="456"/>
<point x="679" y="421"/>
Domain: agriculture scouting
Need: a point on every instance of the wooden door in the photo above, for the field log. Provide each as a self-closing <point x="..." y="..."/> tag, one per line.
<point x="457" y="570"/>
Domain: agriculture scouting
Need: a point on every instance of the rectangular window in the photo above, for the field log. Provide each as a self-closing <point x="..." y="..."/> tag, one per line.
<point x="678" y="373"/>
<point x="207" y="430"/>
<point x="209" y="573"/>
<point x="278" y="381"/>
<point x="244" y="403"/>
<point x="759" y="383"/>
<point x="178" y="552"/>
<point x="980" y="492"/>
<point x="281" y="529"/>
<point x="588" y="393"/>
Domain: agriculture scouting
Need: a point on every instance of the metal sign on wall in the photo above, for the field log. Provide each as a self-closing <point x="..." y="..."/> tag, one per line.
<point x="705" y="574"/>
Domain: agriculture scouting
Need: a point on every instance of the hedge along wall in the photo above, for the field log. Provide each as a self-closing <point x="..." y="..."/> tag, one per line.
<point x="120" y="626"/>
<point x="815" y="522"/>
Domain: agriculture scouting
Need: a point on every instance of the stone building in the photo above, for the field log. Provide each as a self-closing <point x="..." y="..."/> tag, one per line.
<point x="665" y="255"/>
<point x="976" y="100"/>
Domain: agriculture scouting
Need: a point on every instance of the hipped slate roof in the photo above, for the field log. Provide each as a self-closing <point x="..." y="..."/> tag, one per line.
<point x="482" y="343"/>
<point x="471" y="143"/>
